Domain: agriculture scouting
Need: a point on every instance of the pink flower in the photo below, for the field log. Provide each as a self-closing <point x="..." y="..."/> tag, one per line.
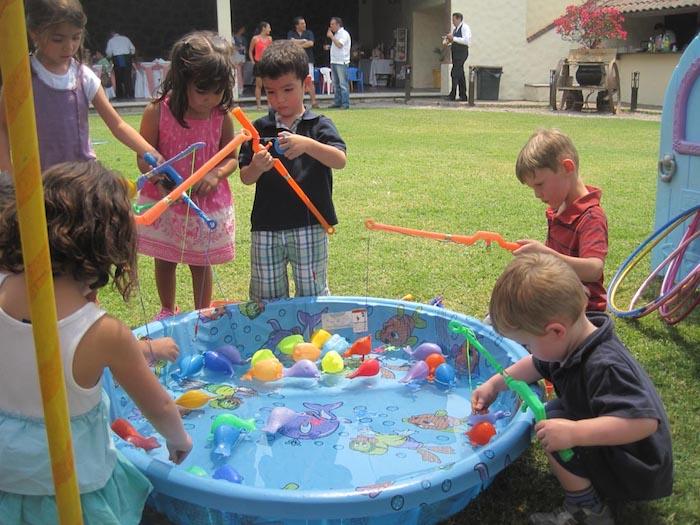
<point x="589" y="24"/>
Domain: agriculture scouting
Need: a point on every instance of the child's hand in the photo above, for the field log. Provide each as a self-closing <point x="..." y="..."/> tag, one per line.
<point x="179" y="451"/>
<point x="531" y="246"/>
<point x="262" y="161"/>
<point x="293" y="145"/>
<point x="159" y="158"/>
<point x="483" y="397"/>
<point x="207" y="184"/>
<point x="556" y="434"/>
<point x="163" y="348"/>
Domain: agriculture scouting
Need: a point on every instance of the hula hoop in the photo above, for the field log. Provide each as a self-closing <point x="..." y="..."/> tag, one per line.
<point x="634" y="258"/>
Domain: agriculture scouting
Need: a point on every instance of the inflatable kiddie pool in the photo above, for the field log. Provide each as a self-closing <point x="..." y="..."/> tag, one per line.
<point x="370" y="450"/>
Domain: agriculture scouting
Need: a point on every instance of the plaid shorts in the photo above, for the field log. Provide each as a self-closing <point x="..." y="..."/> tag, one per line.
<point x="304" y="249"/>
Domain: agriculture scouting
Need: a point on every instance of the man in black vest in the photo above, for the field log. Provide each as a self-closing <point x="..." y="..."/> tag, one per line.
<point x="458" y="40"/>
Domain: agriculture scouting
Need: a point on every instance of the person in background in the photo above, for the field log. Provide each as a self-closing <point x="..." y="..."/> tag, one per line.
<point x="664" y="39"/>
<point x="90" y="245"/>
<point x="258" y="44"/>
<point x="340" y="60"/>
<point x="458" y="40"/>
<point x="121" y="50"/>
<point x="304" y="38"/>
<point x="240" y="50"/>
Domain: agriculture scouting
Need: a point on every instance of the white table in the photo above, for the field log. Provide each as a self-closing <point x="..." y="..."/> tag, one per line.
<point x="149" y="76"/>
<point x="380" y="67"/>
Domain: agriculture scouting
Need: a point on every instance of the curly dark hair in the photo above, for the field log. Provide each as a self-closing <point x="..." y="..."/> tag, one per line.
<point x="92" y="235"/>
<point x="204" y="58"/>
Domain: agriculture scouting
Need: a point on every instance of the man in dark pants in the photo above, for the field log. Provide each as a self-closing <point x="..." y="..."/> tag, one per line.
<point x="304" y="38"/>
<point x="121" y="50"/>
<point x="458" y="40"/>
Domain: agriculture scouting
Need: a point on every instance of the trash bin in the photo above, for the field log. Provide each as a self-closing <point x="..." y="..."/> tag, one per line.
<point x="488" y="81"/>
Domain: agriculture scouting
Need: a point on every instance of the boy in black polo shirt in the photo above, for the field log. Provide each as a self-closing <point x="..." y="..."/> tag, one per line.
<point x="284" y="231"/>
<point x="607" y="408"/>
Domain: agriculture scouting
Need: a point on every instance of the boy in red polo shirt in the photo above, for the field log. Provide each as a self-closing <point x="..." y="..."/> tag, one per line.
<point x="577" y="229"/>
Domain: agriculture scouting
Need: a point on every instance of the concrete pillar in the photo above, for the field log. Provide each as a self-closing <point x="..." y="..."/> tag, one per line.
<point x="223" y="18"/>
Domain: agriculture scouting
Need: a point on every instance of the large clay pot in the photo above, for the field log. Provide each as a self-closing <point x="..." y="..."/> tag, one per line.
<point x="589" y="75"/>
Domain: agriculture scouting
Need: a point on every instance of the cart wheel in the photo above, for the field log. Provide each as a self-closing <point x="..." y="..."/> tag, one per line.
<point x="612" y="83"/>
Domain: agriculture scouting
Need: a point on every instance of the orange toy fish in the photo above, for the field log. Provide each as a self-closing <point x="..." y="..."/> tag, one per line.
<point x="433" y="361"/>
<point x="127" y="432"/>
<point x="306" y="351"/>
<point x="481" y="433"/>
<point x="265" y="370"/>
<point x="361" y="347"/>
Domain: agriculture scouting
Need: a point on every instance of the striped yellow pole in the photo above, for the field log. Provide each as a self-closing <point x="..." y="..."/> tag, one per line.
<point x="19" y="109"/>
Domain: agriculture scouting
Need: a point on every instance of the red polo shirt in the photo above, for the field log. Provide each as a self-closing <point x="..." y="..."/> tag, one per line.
<point x="581" y="230"/>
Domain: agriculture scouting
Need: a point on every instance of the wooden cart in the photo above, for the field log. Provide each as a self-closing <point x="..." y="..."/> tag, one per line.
<point x="572" y="95"/>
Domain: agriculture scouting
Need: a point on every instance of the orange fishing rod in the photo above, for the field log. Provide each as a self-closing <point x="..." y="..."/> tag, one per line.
<point x="467" y="240"/>
<point x="248" y="125"/>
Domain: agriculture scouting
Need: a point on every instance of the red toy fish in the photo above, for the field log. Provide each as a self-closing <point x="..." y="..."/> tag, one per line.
<point x="127" y="432"/>
<point x="361" y="347"/>
<point x="368" y="368"/>
<point x="481" y="433"/>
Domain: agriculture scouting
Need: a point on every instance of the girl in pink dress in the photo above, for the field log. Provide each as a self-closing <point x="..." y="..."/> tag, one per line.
<point x="197" y="95"/>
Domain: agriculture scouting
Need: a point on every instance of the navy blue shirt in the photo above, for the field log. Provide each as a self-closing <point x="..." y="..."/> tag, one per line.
<point x="276" y="207"/>
<point x="602" y="378"/>
<point x="305" y="35"/>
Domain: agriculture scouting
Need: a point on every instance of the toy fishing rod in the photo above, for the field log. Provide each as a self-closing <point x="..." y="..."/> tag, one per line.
<point x="467" y="240"/>
<point x="521" y="388"/>
<point x="248" y="125"/>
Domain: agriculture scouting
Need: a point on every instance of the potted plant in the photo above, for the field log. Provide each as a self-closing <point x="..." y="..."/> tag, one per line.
<point x="589" y="24"/>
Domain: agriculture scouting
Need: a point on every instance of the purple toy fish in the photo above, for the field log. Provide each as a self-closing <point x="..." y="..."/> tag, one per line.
<point x="491" y="417"/>
<point x="302" y="368"/>
<point x="423" y="350"/>
<point x="418" y="372"/>
<point x="279" y="417"/>
<point x="189" y="366"/>
<point x="231" y="353"/>
<point x="225" y="437"/>
<point x="217" y="363"/>
<point x="227" y="473"/>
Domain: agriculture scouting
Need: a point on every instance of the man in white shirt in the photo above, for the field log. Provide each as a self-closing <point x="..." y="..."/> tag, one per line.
<point x="340" y="60"/>
<point x="121" y="50"/>
<point x="458" y="40"/>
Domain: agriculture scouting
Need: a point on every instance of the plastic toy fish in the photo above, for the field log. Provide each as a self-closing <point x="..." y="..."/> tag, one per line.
<point x="127" y="432"/>
<point x="306" y="351"/>
<point x="190" y="365"/>
<point x="332" y="363"/>
<point x="198" y="471"/>
<point x="261" y="355"/>
<point x="423" y="350"/>
<point x="368" y="368"/>
<point x="231" y="353"/>
<point x="194" y="399"/>
<point x="491" y="417"/>
<point x="303" y="368"/>
<point x="445" y="374"/>
<point x="279" y="417"/>
<point x="233" y="421"/>
<point x="216" y="362"/>
<point x="417" y="372"/>
<point x="287" y="344"/>
<point x="361" y="347"/>
<point x="481" y="433"/>
<point x="265" y="370"/>
<point x="433" y="361"/>
<point x="225" y="437"/>
<point x="319" y="338"/>
<point x="227" y="473"/>
<point x="337" y="343"/>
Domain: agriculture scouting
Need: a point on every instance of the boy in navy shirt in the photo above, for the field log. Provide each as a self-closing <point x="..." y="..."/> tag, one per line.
<point x="607" y="409"/>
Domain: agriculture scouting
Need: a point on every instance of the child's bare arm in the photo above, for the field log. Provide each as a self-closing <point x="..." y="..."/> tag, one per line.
<point x="295" y="145"/>
<point x="225" y="167"/>
<point x="149" y="131"/>
<point x="588" y="269"/>
<point x="159" y="348"/>
<point x="261" y="162"/>
<point x="486" y="394"/>
<point x="558" y="434"/>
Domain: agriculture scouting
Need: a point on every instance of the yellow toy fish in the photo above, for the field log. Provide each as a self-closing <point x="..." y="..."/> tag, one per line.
<point x="194" y="399"/>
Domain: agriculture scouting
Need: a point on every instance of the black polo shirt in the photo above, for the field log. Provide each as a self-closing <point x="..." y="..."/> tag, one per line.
<point x="276" y="207"/>
<point x="602" y="378"/>
<point x="305" y="35"/>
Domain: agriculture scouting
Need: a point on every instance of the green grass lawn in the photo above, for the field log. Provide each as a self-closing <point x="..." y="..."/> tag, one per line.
<point x="453" y="171"/>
